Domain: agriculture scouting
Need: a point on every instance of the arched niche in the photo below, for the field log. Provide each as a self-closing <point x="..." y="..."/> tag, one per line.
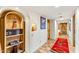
<point x="10" y="19"/>
<point x="10" y="16"/>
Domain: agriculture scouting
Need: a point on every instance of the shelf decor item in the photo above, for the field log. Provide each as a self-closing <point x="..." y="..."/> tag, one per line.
<point x="13" y="31"/>
<point x="15" y="42"/>
<point x="42" y="22"/>
<point x="14" y="49"/>
<point x="14" y="24"/>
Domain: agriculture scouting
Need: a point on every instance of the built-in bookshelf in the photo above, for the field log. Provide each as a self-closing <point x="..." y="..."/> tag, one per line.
<point x="13" y="32"/>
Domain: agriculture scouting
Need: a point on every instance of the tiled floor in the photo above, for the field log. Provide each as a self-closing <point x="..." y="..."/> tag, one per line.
<point x="46" y="47"/>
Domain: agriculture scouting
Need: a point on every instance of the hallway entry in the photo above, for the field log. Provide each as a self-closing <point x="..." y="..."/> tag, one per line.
<point x="50" y="28"/>
<point x="61" y="44"/>
<point x="62" y="27"/>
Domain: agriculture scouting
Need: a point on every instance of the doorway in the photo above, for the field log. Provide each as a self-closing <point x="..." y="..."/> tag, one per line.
<point x="62" y="27"/>
<point x="50" y="28"/>
<point x="74" y="31"/>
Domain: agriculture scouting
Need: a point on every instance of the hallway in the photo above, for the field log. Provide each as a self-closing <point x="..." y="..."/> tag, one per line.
<point x="33" y="29"/>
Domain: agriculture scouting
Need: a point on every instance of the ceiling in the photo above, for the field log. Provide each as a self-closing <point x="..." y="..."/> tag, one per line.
<point x="53" y="12"/>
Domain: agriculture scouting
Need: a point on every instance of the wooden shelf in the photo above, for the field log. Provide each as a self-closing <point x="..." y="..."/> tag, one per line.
<point x="12" y="28"/>
<point x="20" y="51"/>
<point x="14" y="45"/>
<point x="13" y="35"/>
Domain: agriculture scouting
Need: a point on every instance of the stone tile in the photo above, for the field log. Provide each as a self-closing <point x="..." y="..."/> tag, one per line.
<point x="47" y="46"/>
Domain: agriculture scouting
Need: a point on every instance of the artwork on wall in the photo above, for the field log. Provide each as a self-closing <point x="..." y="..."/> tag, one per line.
<point x="42" y="22"/>
<point x="34" y="27"/>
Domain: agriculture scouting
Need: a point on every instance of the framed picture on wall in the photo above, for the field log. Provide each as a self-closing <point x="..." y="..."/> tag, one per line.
<point x="34" y="27"/>
<point x="42" y="22"/>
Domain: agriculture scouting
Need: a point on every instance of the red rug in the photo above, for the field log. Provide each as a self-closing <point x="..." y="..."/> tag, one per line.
<point x="61" y="46"/>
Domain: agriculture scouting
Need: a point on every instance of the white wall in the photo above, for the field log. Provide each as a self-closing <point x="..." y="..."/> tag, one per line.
<point x="52" y="28"/>
<point x="56" y="29"/>
<point x="77" y="31"/>
<point x="70" y="33"/>
<point x="39" y="37"/>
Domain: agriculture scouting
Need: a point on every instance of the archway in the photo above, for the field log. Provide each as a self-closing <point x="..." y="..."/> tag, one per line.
<point x="12" y="31"/>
